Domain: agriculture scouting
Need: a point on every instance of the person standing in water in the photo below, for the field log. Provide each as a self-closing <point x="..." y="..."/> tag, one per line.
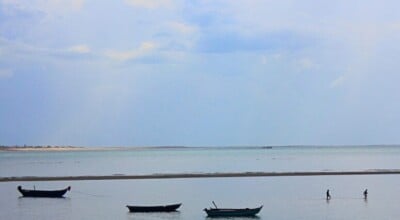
<point x="365" y="193"/>
<point x="328" y="195"/>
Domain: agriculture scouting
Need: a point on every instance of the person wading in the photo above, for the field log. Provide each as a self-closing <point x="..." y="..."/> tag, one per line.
<point x="328" y="195"/>
<point x="365" y="193"/>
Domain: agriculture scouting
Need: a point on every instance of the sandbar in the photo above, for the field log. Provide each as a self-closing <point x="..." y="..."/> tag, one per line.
<point x="196" y="175"/>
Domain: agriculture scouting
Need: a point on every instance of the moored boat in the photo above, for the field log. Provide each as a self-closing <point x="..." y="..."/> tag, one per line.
<point x="160" y="208"/>
<point x="43" y="193"/>
<point x="228" y="212"/>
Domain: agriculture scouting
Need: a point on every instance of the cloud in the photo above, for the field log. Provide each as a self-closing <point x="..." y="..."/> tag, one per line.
<point x="179" y="36"/>
<point x="15" y="51"/>
<point x="307" y="63"/>
<point x="49" y="7"/>
<point x="338" y="81"/>
<point x="144" y="49"/>
<point x="6" y="73"/>
<point x="81" y="49"/>
<point x="77" y="4"/>
<point x="227" y="42"/>
<point x="182" y="27"/>
<point x="150" y="4"/>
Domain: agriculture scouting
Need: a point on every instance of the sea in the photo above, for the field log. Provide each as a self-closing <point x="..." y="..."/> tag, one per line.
<point x="285" y="197"/>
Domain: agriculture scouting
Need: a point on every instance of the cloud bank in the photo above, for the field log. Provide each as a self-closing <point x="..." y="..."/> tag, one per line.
<point x="220" y="72"/>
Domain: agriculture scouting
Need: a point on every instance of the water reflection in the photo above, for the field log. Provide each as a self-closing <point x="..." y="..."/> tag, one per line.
<point x="43" y="208"/>
<point x="235" y="218"/>
<point x="154" y="215"/>
<point x="26" y="200"/>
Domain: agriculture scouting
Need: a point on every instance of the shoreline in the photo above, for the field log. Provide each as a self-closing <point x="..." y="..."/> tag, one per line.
<point x="196" y="175"/>
<point x="76" y="148"/>
<point x="56" y="148"/>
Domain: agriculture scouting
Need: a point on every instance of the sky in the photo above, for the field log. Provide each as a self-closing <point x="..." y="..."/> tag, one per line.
<point x="199" y="73"/>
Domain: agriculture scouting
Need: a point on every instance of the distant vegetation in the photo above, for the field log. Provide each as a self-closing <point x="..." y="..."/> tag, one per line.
<point x="4" y="147"/>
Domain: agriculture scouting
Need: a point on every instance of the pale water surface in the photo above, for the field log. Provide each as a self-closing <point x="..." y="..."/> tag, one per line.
<point x="283" y="197"/>
<point x="198" y="160"/>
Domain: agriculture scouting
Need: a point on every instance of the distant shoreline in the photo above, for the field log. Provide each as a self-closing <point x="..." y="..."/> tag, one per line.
<point x="73" y="148"/>
<point x="122" y="148"/>
<point x="41" y="148"/>
<point x="196" y="175"/>
<point x="55" y="148"/>
<point x="66" y="148"/>
<point x="49" y="148"/>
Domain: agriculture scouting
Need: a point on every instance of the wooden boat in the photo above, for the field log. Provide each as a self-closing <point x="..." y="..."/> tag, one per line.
<point x="43" y="193"/>
<point x="166" y="208"/>
<point x="244" y="212"/>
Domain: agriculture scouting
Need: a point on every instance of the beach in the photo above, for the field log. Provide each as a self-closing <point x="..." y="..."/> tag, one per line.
<point x="196" y="175"/>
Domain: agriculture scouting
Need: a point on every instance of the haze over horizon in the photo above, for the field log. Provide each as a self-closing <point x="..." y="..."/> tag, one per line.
<point x="199" y="73"/>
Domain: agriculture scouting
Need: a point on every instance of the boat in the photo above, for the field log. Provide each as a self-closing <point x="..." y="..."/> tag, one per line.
<point x="227" y="212"/>
<point x="43" y="193"/>
<point x="160" y="208"/>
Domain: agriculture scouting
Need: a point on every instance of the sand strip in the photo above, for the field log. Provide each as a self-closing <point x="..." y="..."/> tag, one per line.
<point x="195" y="175"/>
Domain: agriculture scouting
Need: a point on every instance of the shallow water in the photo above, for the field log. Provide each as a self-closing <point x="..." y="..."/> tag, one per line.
<point x="198" y="160"/>
<point x="283" y="197"/>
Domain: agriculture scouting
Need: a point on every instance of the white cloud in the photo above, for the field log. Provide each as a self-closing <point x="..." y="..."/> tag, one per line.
<point x="181" y="35"/>
<point x="50" y="7"/>
<point x="6" y="73"/>
<point x="307" y="63"/>
<point x="264" y="59"/>
<point x="79" y="49"/>
<point x="144" y="49"/>
<point x="15" y="51"/>
<point x="150" y="4"/>
<point x="77" y="4"/>
<point x="338" y="82"/>
<point x="182" y="27"/>
<point x="271" y="58"/>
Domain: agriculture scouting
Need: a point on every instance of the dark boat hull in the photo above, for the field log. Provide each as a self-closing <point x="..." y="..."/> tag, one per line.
<point x="166" y="208"/>
<point x="43" y="193"/>
<point x="232" y="212"/>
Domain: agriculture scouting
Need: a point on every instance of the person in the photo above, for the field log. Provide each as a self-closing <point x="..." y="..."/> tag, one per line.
<point x="328" y="195"/>
<point x="365" y="193"/>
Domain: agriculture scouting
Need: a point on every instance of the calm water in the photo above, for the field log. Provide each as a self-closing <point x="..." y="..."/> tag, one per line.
<point x="198" y="160"/>
<point x="282" y="197"/>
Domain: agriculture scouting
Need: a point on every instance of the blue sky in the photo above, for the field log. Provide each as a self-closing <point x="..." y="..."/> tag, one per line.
<point x="146" y="72"/>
